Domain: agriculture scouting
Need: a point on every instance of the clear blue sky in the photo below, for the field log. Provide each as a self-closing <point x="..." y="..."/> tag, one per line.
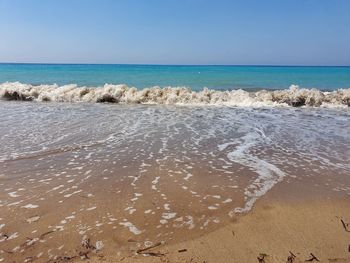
<point x="298" y="32"/>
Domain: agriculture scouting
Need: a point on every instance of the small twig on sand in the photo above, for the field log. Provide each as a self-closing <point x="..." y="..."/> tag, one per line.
<point x="345" y="225"/>
<point x="84" y="255"/>
<point x="46" y="233"/>
<point x="147" y="248"/>
<point x="182" y="250"/>
<point x="291" y="257"/>
<point x="65" y="258"/>
<point x="313" y="257"/>
<point x="86" y="243"/>
<point x="144" y="251"/>
<point x="261" y="258"/>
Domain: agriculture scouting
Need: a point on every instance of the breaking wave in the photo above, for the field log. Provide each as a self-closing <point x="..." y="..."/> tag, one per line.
<point x="294" y="96"/>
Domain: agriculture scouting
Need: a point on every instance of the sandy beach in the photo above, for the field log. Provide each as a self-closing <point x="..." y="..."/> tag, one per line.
<point x="296" y="221"/>
<point x="139" y="183"/>
<point x="273" y="232"/>
<point x="284" y="226"/>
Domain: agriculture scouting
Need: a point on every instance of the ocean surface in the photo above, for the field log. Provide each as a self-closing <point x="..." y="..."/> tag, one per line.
<point x="194" y="77"/>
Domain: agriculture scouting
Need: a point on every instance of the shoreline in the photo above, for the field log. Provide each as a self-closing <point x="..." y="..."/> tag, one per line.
<point x="108" y="183"/>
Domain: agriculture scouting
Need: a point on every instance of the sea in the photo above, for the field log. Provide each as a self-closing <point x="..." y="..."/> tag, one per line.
<point x="194" y="77"/>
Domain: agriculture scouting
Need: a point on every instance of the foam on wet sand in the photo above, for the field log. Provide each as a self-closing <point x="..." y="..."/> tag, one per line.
<point x="129" y="175"/>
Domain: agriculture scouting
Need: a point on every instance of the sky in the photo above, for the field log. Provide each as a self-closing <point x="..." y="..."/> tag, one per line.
<point x="235" y="32"/>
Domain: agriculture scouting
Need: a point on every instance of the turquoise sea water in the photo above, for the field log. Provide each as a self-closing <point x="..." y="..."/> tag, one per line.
<point x="195" y="77"/>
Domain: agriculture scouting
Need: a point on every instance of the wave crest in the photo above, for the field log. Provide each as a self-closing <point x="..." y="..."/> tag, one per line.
<point x="294" y="96"/>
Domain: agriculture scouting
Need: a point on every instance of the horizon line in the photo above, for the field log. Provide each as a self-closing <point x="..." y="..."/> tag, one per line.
<point x="146" y="64"/>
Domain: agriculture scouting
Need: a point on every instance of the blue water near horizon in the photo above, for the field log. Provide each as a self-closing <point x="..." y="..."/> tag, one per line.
<point x="195" y="77"/>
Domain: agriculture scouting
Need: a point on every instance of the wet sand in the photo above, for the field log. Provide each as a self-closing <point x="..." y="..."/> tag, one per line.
<point x="82" y="182"/>
<point x="293" y="222"/>
<point x="284" y="226"/>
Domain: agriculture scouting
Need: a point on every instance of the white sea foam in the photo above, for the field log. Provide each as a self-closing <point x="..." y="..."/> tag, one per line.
<point x="13" y="194"/>
<point x="294" y="96"/>
<point x="268" y="173"/>
<point x="132" y="228"/>
<point x="33" y="219"/>
<point x="168" y="215"/>
<point x="30" y="206"/>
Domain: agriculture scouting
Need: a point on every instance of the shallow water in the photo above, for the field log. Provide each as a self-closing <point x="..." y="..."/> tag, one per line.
<point x="152" y="172"/>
